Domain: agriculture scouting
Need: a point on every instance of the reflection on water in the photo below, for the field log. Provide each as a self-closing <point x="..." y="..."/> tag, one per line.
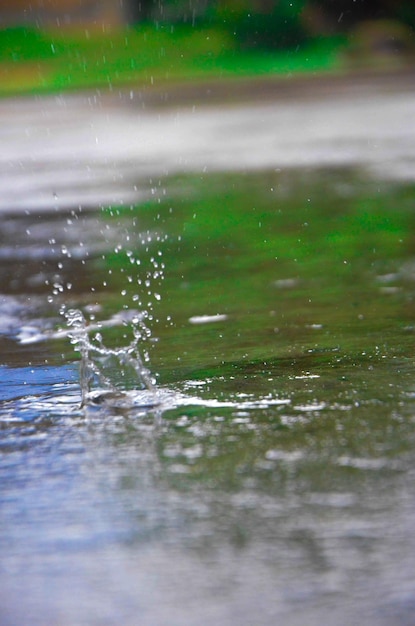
<point x="272" y="481"/>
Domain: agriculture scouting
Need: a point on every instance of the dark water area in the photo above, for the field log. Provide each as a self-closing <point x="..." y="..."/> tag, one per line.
<point x="271" y="481"/>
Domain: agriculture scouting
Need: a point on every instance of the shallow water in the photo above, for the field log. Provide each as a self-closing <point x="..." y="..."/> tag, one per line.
<point x="271" y="480"/>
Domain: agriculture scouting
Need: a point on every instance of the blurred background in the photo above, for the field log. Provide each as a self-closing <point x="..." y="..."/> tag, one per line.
<point x="52" y="44"/>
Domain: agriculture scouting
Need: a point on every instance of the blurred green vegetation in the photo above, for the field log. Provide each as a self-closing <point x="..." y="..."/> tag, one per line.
<point x="176" y="41"/>
<point x="33" y="61"/>
<point x="273" y="25"/>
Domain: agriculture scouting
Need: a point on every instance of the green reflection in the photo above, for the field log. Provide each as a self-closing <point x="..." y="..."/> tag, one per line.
<point x="312" y="273"/>
<point x="298" y="262"/>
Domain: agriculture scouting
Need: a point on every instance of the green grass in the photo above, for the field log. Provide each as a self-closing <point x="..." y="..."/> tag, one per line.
<point x="34" y="61"/>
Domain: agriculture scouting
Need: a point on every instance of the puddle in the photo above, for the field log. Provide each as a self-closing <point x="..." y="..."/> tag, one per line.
<point x="229" y="437"/>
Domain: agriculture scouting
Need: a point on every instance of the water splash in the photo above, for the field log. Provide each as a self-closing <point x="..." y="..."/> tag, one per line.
<point x="97" y="385"/>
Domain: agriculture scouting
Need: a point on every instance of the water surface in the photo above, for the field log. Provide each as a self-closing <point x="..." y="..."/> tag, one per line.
<point x="273" y="480"/>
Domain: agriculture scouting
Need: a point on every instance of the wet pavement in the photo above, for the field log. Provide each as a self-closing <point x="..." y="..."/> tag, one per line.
<point x="91" y="149"/>
<point x="270" y="239"/>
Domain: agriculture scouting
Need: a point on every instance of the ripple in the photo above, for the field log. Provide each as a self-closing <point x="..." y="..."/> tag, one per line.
<point x="64" y="399"/>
